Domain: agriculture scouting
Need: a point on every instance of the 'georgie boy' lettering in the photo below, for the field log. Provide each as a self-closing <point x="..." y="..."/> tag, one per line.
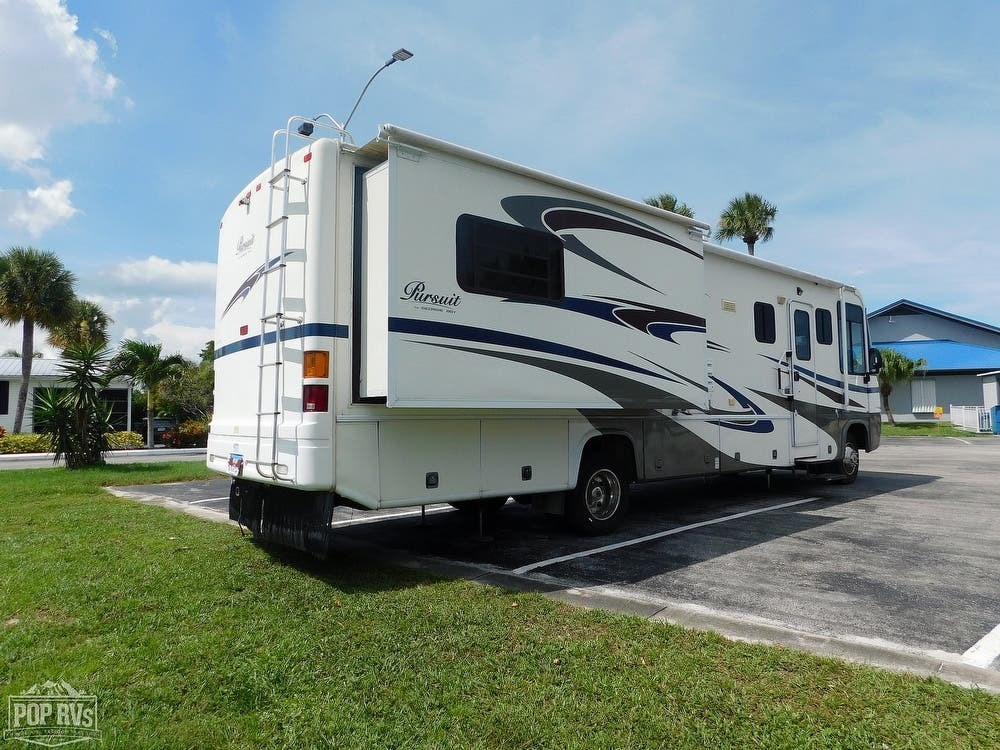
<point x="414" y="291"/>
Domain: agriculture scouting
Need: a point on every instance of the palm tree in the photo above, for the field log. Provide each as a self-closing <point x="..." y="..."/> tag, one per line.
<point x="896" y="370"/>
<point x="74" y="413"/>
<point x="35" y="288"/>
<point x="87" y="324"/>
<point x="748" y="217"/>
<point x="669" y="202"/>
<point x="146" y="365"/>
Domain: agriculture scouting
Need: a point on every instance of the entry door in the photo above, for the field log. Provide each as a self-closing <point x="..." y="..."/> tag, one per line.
<point x="803" y="348"/>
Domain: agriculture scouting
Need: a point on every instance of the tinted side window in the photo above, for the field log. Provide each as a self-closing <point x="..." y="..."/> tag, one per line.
<point x="4" y="396"/>
<point x="507" y="260"/>
<point x="803" y="339"/>
<point x="763" y="322"/>
<point x="856" y="349"/>
<point x="824" y="326"/>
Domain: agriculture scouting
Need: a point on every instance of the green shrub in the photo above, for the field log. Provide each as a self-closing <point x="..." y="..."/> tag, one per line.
<point x="25" y="442"/>
<point x="125" y="440"/>
<point x="190" y="434"/>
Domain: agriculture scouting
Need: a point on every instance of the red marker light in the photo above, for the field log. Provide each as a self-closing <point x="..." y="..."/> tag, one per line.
<point x="315" y="398"/>
<point x="308" y="156"/>
<point x="244" y="330"/>
<point x="258" y="186"/>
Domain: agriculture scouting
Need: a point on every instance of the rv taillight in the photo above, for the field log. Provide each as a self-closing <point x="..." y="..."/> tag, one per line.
<point x="315" y="398"/>
<point x="316" y="364"/>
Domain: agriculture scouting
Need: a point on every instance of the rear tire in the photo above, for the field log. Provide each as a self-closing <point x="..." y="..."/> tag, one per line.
<point x="599" y="502"/>
<point x="849" y="465"/>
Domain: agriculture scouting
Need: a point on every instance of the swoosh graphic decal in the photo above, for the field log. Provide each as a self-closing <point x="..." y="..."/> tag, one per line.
<point x="501" y="338"/>
<point x="758" y="425"/>
<point x="628" y="393"/>
<point x="656" y="321"/>
<point x="244" y="289"/>
<point x="556" y="215"/>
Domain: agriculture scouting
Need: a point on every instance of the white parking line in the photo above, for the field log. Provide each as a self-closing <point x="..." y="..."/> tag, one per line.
<point x="383" y="516"/>
<point x="985" y="650"/>
<point x="659" y="535"/>
<point x="207" y="500"/>
<point x="959" y="440"/>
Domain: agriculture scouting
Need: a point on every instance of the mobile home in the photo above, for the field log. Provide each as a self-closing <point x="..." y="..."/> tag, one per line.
<point x="411" y="322"/>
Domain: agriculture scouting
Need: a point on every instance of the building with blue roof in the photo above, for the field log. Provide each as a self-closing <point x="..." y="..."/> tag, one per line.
<point x="957" y="351"/>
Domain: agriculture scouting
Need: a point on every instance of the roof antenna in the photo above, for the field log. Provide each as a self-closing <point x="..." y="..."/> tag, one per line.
<point x="397" y="56"/>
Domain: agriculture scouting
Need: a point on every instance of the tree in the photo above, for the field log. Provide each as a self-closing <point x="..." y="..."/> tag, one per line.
<point x="35" y="289"/>
<point x="189" y="393"/>
<point x="87" y="323"/>
<point x="896" y="370"/>
<point x="748" y="217"/>
<point x="17" y="355"/>
<point x="669" y="202"/>
<point x="74" y="414"/>
<point x="145" y="364"/>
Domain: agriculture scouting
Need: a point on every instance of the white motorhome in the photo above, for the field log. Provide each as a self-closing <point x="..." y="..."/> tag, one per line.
<point x="411" y="322"/>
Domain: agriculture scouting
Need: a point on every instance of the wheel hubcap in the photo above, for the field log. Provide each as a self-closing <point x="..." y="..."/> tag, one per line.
<point x="852" y="459"/>
<point x="604" y="494"/>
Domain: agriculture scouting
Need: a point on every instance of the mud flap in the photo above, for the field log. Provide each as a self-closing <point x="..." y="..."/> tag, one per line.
<point x="286" y="517"/>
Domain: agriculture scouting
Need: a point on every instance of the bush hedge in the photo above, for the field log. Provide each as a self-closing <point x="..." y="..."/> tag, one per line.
<point x="190" y="434"/>
<point x="125" y="440"/>
<point x="25" y="442"/>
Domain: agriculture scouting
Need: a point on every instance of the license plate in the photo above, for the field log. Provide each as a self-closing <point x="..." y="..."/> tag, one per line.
<point x="235" y="464"/>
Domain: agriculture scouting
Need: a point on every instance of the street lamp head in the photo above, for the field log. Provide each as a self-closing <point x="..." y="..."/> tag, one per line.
<point x="401" y="54"/>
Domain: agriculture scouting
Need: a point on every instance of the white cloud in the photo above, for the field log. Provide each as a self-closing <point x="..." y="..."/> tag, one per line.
<point x="18" y="144"/>
<point x="110" y="38"/>
<point x="42" y="208"/>
<point x="166" y="276"/>
<point x="175" y="337"/>
<point x="51" y="78"/>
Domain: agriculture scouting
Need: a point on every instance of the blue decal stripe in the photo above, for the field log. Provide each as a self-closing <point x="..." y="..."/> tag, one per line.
<point x="333" y="330"/>
<point x="834" y="381"/>
<point x="500" y="338"/>
<point x="826" y="379"/>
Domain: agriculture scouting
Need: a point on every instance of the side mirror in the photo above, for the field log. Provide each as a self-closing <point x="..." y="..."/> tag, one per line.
<point x="875" y="360"/>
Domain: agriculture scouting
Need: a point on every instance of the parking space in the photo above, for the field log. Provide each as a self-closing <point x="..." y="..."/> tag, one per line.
<point x="909" y="556"/>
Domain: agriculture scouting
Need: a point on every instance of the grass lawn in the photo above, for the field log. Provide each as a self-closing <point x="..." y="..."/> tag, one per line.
<point x="928" y="429"/>
<point x="192" y="637"/>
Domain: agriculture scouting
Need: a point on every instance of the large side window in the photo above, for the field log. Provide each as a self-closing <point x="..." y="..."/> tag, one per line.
<point x="507" y="260"/>
<point x="824" y="326"/>
<point x="856" y="349"/>
<point x="763" y="322"/>
<point x="4" y="396"/>
<point x="803" y="340"/>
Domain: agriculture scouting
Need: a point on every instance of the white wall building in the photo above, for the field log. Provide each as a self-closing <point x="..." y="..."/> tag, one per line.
<point x="46" y="373"/>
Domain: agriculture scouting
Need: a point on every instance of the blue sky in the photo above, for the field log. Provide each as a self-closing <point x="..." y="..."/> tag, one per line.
<point x="126" y="128"/>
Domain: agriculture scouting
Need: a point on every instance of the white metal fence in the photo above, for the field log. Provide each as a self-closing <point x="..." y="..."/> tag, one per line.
<point x="971" y="418"/>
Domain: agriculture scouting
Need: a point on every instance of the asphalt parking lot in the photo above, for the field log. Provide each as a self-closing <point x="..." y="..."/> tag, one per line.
<point x="907" y="558"/>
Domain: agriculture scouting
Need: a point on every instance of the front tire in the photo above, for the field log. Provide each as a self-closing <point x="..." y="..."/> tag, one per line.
<point x="599" y="502"/>
<point x="850" y="464"/>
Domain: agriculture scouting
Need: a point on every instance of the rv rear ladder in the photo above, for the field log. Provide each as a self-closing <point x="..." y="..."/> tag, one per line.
<point x="276" y="260"/>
